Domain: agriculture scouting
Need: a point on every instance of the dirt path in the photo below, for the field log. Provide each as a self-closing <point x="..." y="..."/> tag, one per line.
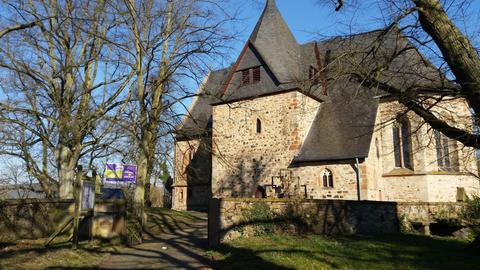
<point x="173" y="242"/>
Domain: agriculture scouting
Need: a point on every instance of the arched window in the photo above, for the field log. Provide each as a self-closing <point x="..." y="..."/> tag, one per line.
<point x="402" y="144"/>
<point x="327" y="179"/>
<point x="447" y="154"/>
<point x="259" y="126"/>
<point x="260" y="192"/>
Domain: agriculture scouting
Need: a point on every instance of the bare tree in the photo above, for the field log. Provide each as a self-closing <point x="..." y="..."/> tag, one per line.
<point x="427" y="24"/>
<point x="168" y="44"/>
<point x="62" y="85"/>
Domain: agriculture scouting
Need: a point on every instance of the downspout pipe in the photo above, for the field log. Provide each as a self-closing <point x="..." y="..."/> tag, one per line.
<point x="359" y="179"/>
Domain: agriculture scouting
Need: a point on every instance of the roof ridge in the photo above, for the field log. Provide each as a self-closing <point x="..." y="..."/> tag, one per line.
<point x="349" y="35"/>
<point x="275" y="41"/>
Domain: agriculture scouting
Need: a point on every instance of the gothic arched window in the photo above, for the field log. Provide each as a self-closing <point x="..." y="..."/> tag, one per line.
<point x="447" y="154"/>
<point x="402" y="144"/>
<point x="327" y="178"/>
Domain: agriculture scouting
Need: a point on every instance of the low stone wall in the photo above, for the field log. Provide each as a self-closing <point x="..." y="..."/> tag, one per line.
<point x="39" y="218"/>
<point x="31" y="218"/>
<point x="227" y="216"/>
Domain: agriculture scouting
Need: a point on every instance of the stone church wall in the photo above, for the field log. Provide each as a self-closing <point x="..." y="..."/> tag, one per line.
<point x="191" y="189"/>
<point x="426" y="182"/>
<point x="244" y="159"/>
<point x="344" y="181"/>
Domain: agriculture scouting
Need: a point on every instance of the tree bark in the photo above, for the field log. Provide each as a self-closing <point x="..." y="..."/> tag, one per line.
<point x="66" y="161"/>
<point x="149" y="115"/>
<point x="456" y="48"/>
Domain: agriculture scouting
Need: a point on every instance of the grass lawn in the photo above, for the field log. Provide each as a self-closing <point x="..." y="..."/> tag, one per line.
<point x="352" y="252"/>
<point x="30" y="254"/>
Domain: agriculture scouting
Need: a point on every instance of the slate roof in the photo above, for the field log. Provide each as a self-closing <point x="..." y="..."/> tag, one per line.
<point x="276" y="44"/>
<point x="343" y="126"/>
<point x="197" y="122"/>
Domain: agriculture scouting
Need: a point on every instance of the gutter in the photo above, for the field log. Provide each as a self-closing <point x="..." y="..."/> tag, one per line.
<point x="359" y="180"/>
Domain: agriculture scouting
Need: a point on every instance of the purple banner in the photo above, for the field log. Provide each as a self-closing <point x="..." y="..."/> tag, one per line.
<point x="120" y="173"/>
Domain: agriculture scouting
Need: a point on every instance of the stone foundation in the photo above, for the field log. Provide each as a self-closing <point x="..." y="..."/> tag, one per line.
<point x="226" y="220"/>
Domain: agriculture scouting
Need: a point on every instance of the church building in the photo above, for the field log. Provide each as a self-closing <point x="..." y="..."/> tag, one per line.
<point x="308" y="121"/>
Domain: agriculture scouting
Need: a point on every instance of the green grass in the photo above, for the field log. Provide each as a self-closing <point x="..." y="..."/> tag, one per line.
<point x="30" y="254"/>
<point x="354" y="252"/>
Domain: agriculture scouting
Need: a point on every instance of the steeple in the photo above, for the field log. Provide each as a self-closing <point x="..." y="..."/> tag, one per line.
<point x="277" y="45"/>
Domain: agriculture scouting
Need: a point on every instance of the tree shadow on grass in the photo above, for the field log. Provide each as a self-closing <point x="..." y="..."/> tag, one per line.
<point x="420" y="251"/>
<point x="33" y="249"/>
<point x="243" y="258"/>
<point x="351" y="252"/>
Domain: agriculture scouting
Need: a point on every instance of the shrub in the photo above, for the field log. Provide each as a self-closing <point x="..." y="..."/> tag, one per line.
<point x="472" y="213"/>
<point x="473" y="208"/>
<point x="260" y="218"/>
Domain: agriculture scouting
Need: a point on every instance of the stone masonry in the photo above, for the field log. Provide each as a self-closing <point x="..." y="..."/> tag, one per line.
<point x="192" y="188"/>
<point x="227" y="216"/>
<point x="291" y="120"/>
<point x="244" y="160"/>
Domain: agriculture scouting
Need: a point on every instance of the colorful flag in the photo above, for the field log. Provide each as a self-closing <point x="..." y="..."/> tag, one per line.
<point x="120" y="173"/>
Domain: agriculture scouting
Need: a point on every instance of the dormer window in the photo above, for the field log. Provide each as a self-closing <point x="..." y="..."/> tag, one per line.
<point x="245" y="77"/>
<point x="256" y="74"/>
<point x="250" y="76"/>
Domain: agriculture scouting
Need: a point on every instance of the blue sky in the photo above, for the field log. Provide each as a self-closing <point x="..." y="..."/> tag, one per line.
<point x="306" y="18"/>
<point x="309" y="20"/>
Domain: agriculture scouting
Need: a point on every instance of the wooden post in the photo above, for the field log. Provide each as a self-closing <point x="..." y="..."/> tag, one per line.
<point x="97" y="181"/>
<point x="78" y="199"/>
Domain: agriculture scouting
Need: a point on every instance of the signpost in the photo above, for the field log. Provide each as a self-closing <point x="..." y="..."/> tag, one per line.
<point x="76" y="214"/>
<point x="84" y="204"/>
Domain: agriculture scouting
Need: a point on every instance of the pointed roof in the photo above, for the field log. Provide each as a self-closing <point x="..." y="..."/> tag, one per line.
<point x="276" y="44"/>
<point x="197" y="121"/>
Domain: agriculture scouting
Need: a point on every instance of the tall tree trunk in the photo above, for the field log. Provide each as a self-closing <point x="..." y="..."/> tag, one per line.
<point x="142" y="178"/>
<point x="67" y="162"/>
<point x="150" y="116"/>
<point x="456" y="48"/>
